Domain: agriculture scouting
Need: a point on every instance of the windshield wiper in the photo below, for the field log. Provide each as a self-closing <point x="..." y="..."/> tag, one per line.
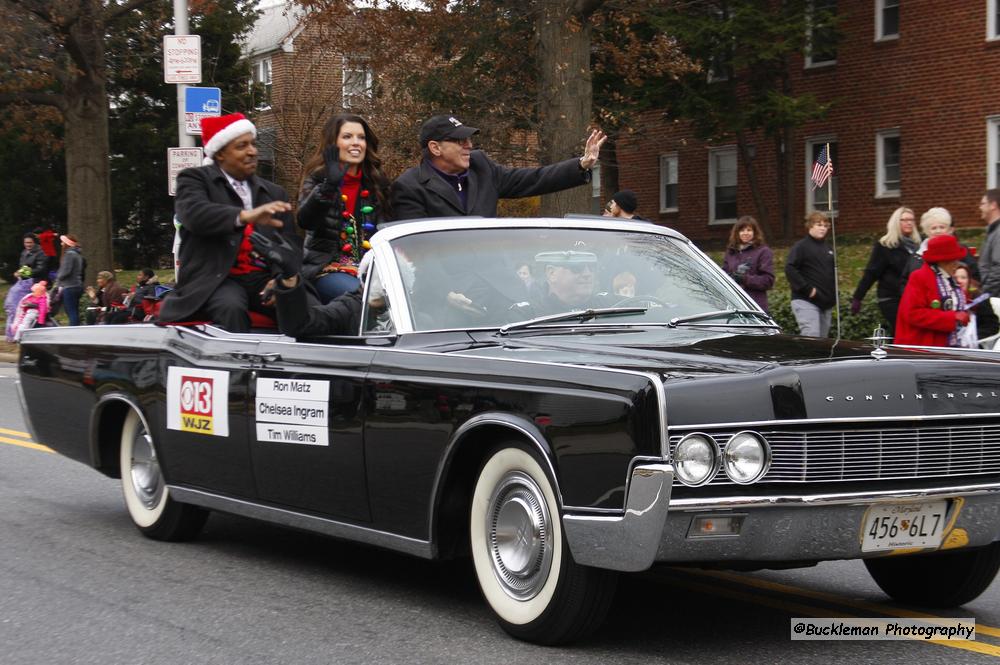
<point x="769" y="322"/>
<point x="581" y="314"/>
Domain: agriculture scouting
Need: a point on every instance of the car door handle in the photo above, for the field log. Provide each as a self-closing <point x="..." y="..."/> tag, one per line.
<point x="255" y="359"/>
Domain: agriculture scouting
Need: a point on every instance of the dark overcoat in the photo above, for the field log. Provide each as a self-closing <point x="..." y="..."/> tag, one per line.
<point x="207" y="208"/>
<point x="420" y="192"/>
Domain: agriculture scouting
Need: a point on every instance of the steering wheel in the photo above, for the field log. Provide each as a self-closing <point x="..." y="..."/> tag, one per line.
<point x="635" y="300"/>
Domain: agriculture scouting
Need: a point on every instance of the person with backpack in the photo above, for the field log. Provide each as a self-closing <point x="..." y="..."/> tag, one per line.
<point x="69" y="279"/>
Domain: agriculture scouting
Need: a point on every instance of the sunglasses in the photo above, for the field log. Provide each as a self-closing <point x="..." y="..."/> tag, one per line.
<point x="578" y="268"/>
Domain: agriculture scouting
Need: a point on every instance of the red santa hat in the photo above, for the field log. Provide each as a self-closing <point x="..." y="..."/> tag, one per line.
<point x="217" y="132"/>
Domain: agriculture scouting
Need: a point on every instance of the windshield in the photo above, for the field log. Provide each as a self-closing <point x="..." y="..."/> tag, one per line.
<point x="487" y="278"/>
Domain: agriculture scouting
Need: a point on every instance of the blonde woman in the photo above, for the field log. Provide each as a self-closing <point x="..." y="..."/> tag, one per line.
<point x="887" y="264"/>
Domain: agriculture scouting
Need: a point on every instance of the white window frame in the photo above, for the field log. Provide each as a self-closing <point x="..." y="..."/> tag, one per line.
<point x="993" y="151"/>
<point x="712" y="153"/>
<point x="881" y="190"/>
<point x="350" y="67"/>
<point x="664" y="175"/>
<point x="809" y="63"/>
<point x="810" y="194"/>
<point x="880" y="8"/>
<point x="261" y="73"/>
<point x="992" y="28"/>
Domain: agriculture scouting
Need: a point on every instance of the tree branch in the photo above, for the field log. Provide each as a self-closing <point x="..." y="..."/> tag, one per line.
<point x="33" y="98"/>
<point x="36" y="10"/>
<point x="115" y="11"/>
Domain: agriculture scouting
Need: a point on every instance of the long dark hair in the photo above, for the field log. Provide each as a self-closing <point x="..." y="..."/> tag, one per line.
<point x="371" y="168"/>
<point x="742" y="223"/>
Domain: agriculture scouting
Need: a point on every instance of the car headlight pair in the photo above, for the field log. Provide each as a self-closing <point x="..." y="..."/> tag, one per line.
<point x="745" y="458"/>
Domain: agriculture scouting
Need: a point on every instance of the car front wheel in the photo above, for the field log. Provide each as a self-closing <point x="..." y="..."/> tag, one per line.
<point x="948" y="579"/>
<point x="523" y="565"/>
<point x="146" y="495"/>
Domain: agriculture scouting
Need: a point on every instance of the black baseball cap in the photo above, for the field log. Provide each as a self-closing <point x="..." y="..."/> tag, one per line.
<point x="444" y="127"/>
<point x="626" y="200"/>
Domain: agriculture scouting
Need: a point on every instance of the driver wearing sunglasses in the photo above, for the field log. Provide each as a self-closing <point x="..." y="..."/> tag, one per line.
<point x="571" y="277"/>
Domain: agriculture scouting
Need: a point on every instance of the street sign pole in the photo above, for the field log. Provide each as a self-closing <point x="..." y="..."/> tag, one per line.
<point x="181" y="28"/>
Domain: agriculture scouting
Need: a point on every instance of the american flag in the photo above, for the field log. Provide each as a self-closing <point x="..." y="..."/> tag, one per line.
<point x="822" y="169"/>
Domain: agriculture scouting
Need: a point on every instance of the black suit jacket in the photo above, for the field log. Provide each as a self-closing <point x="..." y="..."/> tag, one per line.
<point x="207" y="208"/>
<point x="420" y="192"/>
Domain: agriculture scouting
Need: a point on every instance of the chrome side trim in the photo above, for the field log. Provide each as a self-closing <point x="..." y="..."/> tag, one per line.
<point x="839" y="498"/>
<point x="323" y="525"/>
<point x="821" y="421"/>
<point x="628" y="542"/>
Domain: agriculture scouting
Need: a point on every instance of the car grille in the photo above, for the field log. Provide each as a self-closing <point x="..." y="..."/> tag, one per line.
<point x="817" y="455"/>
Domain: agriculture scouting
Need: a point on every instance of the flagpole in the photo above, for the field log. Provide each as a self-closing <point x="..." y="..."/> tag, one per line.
<point x="833" y="234"/>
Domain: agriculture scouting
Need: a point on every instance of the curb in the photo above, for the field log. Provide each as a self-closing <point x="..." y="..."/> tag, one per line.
<point x="8" y="357"/>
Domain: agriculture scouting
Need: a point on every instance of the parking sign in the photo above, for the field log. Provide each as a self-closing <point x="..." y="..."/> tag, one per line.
<point x="179" y="159"/>
<point x="200" y="103"/>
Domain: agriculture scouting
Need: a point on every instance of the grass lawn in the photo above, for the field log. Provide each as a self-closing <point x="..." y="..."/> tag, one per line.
<point x="852" y="255"/>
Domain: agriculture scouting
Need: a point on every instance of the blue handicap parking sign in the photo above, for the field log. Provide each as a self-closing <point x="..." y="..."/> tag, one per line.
<point x="207" y="101"/>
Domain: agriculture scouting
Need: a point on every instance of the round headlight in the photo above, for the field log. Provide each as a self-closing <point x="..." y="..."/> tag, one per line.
<point x="746" y="457"/>
<point x="696" y="459"/>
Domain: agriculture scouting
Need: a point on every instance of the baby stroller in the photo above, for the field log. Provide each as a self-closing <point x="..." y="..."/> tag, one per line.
<point x="32" y="311"/>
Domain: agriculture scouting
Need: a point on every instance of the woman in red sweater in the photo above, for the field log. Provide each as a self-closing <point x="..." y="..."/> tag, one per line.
<point x="933" y="306"/>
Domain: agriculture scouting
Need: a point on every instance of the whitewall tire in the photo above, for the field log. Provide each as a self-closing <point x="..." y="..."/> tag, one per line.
<point x="523" y="566"/>
<point x="147" y="498"/>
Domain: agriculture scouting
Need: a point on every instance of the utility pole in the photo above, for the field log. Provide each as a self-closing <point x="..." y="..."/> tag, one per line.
<point x="181" y="28"/>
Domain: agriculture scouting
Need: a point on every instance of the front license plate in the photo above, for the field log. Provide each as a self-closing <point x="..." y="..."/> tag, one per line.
<point x="904" y="525"/>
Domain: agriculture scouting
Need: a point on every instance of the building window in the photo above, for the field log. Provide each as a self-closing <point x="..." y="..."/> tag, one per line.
<point x="260" y="81"/>
<point x="886" y="19"/>
<point x="822" y="47"/>
<point x="267" y="141"/>
<point x="358" y="80"/>
<point x="992" y="19"/>
<point x="993" y="152"/>
<point x="668" y="183"/>
<point x="722" y="186"/>
<point x="821" y="198"/>
<point x="887" y="163"/>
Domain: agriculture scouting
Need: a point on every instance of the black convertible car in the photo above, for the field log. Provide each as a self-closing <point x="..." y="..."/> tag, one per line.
<point x="561" y="400"/>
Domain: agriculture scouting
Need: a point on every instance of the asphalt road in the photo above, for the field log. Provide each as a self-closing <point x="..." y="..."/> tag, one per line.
<point x="78" y="584"/>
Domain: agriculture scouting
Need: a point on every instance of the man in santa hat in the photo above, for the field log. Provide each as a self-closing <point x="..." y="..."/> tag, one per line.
<point x="219" y="205"/>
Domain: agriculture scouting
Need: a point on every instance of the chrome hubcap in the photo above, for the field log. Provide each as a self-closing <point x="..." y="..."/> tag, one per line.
<point x="147" y="481"/>
<point x="519" y="534"/>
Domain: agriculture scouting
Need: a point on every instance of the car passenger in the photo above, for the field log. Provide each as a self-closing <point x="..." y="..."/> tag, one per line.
<point x="572" y="280"/>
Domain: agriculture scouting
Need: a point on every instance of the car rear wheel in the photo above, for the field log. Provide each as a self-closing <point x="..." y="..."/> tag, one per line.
<point x="147" y="498"/>
<point x="523" y="565"/>
<point x="948" y="579"/>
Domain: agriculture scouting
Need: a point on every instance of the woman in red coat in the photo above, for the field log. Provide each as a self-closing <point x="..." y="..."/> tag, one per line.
<point x="933" y="306"/>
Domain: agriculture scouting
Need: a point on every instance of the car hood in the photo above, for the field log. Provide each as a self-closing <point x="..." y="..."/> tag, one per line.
<point x="719" y="377"/>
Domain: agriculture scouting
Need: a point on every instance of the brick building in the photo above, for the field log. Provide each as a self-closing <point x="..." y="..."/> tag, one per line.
<point x="299" y="79"/>
<point x="916" y="122"/>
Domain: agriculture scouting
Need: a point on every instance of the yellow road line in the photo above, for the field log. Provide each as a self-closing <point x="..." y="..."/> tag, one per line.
<point x="14" y="432"/>
<point x="981" y="629"/>
<point x="808" y="610"/>
<point x="27" y="444"/>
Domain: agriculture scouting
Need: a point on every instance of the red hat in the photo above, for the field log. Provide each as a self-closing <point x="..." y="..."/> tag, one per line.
<point x="217" y="132"/>
<point x="944" y="247"/>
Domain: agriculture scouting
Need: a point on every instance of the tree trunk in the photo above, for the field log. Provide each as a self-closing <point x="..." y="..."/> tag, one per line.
<point x="565" y="94"/>
<point x="88" y="169"/>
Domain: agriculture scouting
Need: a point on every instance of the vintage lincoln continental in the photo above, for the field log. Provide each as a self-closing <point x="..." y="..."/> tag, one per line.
<point x="560" y="400"/>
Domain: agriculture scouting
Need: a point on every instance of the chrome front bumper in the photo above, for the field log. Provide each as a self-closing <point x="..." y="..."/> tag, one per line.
<point x="778" y="528"/>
